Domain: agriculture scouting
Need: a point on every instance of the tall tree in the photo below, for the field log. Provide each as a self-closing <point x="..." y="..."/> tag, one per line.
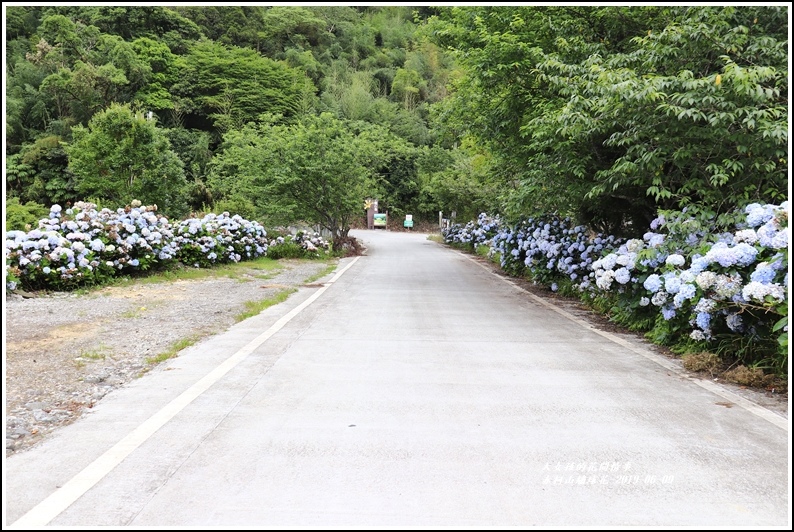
<point x="234" y="85"/>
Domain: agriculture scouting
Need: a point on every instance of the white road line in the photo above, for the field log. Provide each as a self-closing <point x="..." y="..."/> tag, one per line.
<point x="772" y="417"/>
<point x="66" y="495"/>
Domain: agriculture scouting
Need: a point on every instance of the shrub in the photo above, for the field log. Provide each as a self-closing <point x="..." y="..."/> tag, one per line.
<point x="21" y="217"/>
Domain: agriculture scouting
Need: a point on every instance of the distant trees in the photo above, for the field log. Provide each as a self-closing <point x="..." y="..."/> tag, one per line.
<point x="604" y="113"/>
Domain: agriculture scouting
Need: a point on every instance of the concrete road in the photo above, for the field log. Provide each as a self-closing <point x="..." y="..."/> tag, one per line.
<point x="414" y="389"/>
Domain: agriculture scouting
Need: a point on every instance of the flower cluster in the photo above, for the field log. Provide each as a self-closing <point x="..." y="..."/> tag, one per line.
<point x="81" y="245"/>
<point x="217" y="239"/>
<point x="726" y="283"/>
<point x="474" y="233"/>
<point x="312" y="243"/>
<point x="552" y="251"/>
<point x="302" y="244"/>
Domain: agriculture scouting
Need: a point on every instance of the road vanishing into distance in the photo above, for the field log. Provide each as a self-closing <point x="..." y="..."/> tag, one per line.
<point x="413" y="388"/>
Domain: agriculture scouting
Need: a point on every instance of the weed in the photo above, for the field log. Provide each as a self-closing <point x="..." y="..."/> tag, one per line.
<point x="255" y="307"/>
<point x="172" y="350"/>
<point x="328" y="269"/>
<point x="100" y="353"/>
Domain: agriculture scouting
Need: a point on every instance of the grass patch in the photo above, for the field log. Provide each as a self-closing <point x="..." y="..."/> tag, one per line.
<point x="138" y="311"/>
<point x="172" y="350"/>
<point x="319" y="275"/>
<point x="255" y="307"/>
<point x="100" y="353"/>
<point x="435" y="237"/>
<point x="178" y="272"/>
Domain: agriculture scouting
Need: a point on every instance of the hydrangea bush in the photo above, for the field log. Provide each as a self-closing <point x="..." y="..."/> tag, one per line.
<point x="474" y="233"/>
<point x="82" y="245"/>
<point x="551" y="251"/>
<point x="218" y="239"/>
<point x="691" y="282"/>
<point x="300" y="245"/>
<point x="313" y="244"/>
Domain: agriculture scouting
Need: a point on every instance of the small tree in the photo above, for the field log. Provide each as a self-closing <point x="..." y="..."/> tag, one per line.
<point x="313" y="170"/>
<point x="122" y="156"/>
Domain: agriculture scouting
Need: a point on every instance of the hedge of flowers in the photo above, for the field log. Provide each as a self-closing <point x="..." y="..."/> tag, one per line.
<point x="688" y="282"/>
<point x="82" y="246"/>
<point x="313" y="244"/>
<point x="300" y="245"/>
<point x="217" y="239"/>
<point x="474" y="233"/>
<point x="551" y="251"/>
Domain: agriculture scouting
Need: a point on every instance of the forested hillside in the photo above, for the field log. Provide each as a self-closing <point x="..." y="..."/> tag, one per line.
<point x="603" y="113"/>
<point x="111" y="104"/>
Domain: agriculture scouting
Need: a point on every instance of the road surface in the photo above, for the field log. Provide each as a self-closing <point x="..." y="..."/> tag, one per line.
<point x="413" y="389"/>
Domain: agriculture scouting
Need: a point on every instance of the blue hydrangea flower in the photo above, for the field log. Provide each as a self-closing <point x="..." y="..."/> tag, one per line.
<point x="653" y="283"/>
<point x="758" y="214"/>
<point x="672" y="283"/>
<point x="764" y="273"/>
<point x="622" y="275"/>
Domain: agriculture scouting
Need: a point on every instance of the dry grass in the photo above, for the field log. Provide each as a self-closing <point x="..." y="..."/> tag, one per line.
<point x="703" y="361"/>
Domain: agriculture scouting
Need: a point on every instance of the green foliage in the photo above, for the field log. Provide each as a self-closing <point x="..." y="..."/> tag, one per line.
<point x="123" y="155"/>
<point x="208" y="70"/>
<point x="233" y="86"/>
<point x="312" y="170"/>
<point x="609" y="113"/>
<point x="456" y="180"/>
<point x="286" y="250"/>
<point x="193" y="149"/>
<point x="21" y="217"/>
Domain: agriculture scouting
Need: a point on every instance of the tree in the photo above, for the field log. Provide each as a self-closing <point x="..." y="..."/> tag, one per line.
<point x="611" y="113"/>
<point x="234" y="85"/>
<point x="122" y="156"/>
<point x="312" y="170"/>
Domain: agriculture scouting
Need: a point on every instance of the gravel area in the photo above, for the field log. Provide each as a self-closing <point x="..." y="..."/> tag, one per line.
<point x="65" y="351"/>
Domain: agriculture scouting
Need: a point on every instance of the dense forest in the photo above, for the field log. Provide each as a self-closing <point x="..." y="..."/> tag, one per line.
<point x="286" y="113"/>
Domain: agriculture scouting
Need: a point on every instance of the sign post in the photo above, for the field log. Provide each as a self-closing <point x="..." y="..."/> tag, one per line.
<point x="409" y="221"/>
<point x="379" y="220"/>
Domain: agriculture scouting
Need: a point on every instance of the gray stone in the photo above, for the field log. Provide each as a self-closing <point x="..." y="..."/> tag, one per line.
<point x="38" y="405"/>
<point x="43" y="417"/>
